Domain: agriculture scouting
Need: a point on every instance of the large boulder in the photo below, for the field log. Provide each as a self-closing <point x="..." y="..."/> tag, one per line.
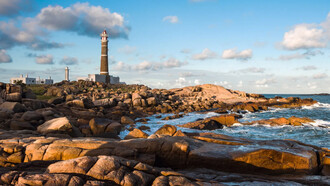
<point x="32" y="115"/>
<point x="294" y="121"/>
<point x="56" y="126"/>
<point x="35" y="104"/>
<point x="56" y="100"/>
<point x="15" y="97"/>
<point x="103" y="127"/>
<point x="136" y="133"/>
<point x="126" y="120"/>
<point x="21" y="125"/>
<point x="13" y="106"/>
<point x="212" y="123"/>
<point x="166" y="130"/>
<point x="105" y="102"/>
<point x="83" y="103"/>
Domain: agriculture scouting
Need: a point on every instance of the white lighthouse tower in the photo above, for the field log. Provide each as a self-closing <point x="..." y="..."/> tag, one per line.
<point x="67" y="74"/>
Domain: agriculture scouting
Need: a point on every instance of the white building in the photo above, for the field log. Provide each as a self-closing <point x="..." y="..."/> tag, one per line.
<point x="100" y="78"/>
<point x="31" y="81"/>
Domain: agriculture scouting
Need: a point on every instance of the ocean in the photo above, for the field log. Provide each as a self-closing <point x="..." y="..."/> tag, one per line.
<point x="317" y="133"/>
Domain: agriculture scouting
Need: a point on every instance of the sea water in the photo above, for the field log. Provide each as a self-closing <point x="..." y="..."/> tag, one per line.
<point x="316" y="133"/>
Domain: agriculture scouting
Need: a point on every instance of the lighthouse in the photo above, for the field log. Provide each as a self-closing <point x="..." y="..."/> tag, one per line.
<point x="104" y="56"/>
<point x="104" y="76"/>
<point x="67" y="74"/>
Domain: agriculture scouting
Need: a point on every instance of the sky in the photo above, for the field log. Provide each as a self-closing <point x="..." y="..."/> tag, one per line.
<point x="257" y="46"/>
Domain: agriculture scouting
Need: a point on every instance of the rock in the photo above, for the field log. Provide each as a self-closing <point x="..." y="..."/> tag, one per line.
<point x="113" y="128"/>
<point x="30" y="95"/>
<point x="126" y="120"/>
<point x="173" y="117"/>
<point x="179" y="133"/>
<point x="56" y="100"/>
<point x="137" y="102"/>
<point x="32" y="115"/>
<point x="326" y="166"/>
<point x="13" y="106"/>
<point x="105" y="103"/>
<point x="21" y="125"/>
<point x="98" y="125"/>
<point x="167" y="130"/>
<point x="136" y="96"/>
<point x="143" y="127"/>
<point x="35" y="104"/>
<point x="69" y="97"/>
<point x="4" y="115"/>
<point x="136" y="133"/>
<point x="58" y="125"/>
<point x="213" y="123"/>
<point x="102" y="127"/>
<point x="84" y="103"/>
<point x="294" y="121"/>
<point x="15" y="97"/>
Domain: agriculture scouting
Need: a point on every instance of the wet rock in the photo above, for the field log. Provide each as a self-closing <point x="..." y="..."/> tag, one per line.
<point x="166" y="130"/>
<point x="294" y="121"/>
<point x="173" y="117"/>
<point x="126" y="120"/>
<point x="143" y="127"/>
<point x="136" y="133"/>
<point x="13" y="106"/>
<point x="212" y="123"/>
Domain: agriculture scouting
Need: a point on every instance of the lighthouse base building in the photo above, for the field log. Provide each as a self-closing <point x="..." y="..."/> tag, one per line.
<point x="101" y="78"/>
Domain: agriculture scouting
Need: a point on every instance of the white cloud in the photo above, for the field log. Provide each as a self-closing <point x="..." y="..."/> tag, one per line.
<point x="264" y="83"/>
<point x="206" y="54"/>
<point x="251" y="70"/>
<point x="306" y="55"/>
<point x="311" y="85"/>
<point x="304" y="36"/>
<point x="4" y="57"/>
<point x="69" y="60"/>
<point x="145" y="65"/>
<point x="121" y="66"/>
<point x="234" y="54"/>
<point x="14" y="7"/>
<point x="127" y="49"/>
<point x="44" y="59"/>
<point x="83" y="19"/>
<point x="171" y="19"/>
<point x="185" y="51"/>
<point x="80" y="18"/>
<point x="320" y="76"/>
<point x="197" y="82"/>
<point x="181" y="81"/>
<point x="306" y="68"/>
<point x="172" y="62"/>
<point x="240" y="84"/>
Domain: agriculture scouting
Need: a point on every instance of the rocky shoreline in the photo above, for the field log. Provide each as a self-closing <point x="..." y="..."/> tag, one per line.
<point x="67" y="134"/>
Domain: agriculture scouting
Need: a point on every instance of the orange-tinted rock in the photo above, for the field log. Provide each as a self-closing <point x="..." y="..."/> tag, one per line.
<point x="168" y="130"/>
<point x="294" y="121"/>
<point x="136" y="133"/>
<point x="213" y="123"/>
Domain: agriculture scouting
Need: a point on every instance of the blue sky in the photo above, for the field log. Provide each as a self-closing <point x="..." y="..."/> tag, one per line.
<point x="255" y="46"/>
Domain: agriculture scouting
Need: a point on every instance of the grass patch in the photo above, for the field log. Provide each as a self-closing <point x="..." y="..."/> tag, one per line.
<point x="38" y="89"/>
<point x="43" y="97"/>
